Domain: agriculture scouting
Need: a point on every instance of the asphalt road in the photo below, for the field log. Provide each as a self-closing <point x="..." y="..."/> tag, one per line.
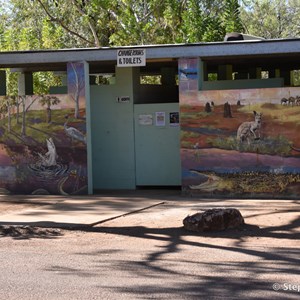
<point x="150" y="256"/>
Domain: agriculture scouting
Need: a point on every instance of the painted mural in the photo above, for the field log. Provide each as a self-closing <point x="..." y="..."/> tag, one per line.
<point x="239" y="143"/>
<point x="43" y="141"/>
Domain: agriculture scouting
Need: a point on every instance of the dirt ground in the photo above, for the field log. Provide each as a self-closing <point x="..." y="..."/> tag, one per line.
<point x="12" y="206"/>
<point x="276" y="221"/>
<point x="268" y="223"/>
<point x="8" y="206"/>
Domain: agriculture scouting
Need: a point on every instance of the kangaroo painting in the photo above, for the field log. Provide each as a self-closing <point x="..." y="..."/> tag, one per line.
<point x="249" y="131"/>
<point x="255" y="153"/>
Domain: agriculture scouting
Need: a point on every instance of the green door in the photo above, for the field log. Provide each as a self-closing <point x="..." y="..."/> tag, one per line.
<point x="157" y="144"/>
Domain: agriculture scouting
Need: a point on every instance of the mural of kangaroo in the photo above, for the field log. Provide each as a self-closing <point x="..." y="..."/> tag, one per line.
<point x="249" y="131"/>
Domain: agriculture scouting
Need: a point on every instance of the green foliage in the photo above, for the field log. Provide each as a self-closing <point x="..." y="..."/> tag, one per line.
<point x="48" y="100"/>
<point x="296" y="77"/>
<point x="47" y="24"/>
<point x="272" y="18"/>
<point x="43" y="80"/>
<point x="270" y="145"/>
<point x="231" y="16"/>
<point x="229" y="143"/>
<point x="35" y="131"/>
<point x="53" y="24"/>
<point x="74" y="23"/>
<point x="194" y="116"/>
<point x="12" y="83"/>
<point x="148" y="79"/>
<point x="186" y="144"/>
<point x="215" y="31"/>
<point x="202" y="21"/>
<point x="188" y="134"/>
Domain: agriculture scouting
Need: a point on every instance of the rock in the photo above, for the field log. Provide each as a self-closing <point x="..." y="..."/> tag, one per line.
<point x="24" y="231"/>
<point x="215" y="219"/>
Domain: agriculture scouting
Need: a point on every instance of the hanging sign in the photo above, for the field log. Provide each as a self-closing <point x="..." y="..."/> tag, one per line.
<point x="131" y="58"/>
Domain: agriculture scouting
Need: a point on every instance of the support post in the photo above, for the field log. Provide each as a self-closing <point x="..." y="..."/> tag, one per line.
<point x="88" y="128"/>
<point x="202" y="73"/>
<point x="2" y="83"/>
<point x="255" y="73"/>
<point x="168" y="76"/>
<point x="25" y="83"/>
<point x="225" y="72"/>
<point x="286" y="74"/>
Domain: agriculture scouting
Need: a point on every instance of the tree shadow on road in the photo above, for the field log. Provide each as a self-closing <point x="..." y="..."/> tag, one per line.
<point x="221" y="281"/>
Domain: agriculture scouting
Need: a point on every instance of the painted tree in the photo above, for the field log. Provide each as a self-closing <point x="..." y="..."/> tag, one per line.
<point x="25" y="107"/>
<point x="48" y="101"/>
<point x="17" y="103"/>
<point x="6" y="105"/>
<point x="76" y="84"/>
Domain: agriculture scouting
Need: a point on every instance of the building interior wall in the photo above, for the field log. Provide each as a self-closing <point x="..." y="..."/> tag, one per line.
<point x="242" y="84"/>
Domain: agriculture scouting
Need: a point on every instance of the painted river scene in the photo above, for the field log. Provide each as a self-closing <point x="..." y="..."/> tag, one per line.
<point x="42" y="151"/>
<point x="43" y="140"/>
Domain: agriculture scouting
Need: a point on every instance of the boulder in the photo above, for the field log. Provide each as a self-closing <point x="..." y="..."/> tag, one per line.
<point x="215" y="219"/>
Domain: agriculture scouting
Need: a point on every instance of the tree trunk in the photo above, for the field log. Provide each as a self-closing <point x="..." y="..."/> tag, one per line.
<point x="76" y="112"/>
<point x="18" y="113"/>
<point x="8" y="119"/>
<point x="23" y="129"/>
<point x="48" y="115"/>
